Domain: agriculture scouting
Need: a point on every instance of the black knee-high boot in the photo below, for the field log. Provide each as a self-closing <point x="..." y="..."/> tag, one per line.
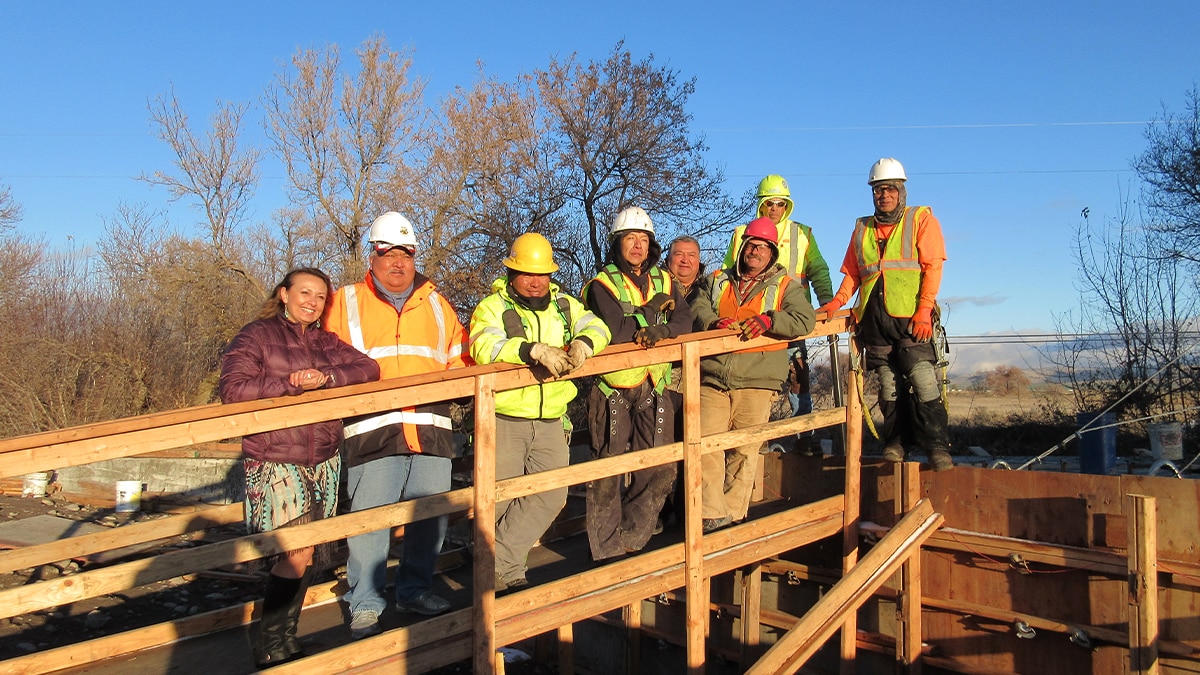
<point x="270" y="640"/>
<point x="290" y="643"/>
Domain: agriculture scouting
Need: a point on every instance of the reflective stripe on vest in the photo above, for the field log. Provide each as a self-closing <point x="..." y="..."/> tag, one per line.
<point x="396" y="417"/>
<point x="440" y="353"/>
<point x="898" y="264"/>
<point x="630" y="298"/>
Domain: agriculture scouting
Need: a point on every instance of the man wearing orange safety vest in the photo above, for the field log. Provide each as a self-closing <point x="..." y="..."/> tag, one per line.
<point x="799" y="255"/>
<point x="754" y="297"/>
<point x="630" y="410"/>
<point x="398" y="318"/>
<point x="894" y="262"/>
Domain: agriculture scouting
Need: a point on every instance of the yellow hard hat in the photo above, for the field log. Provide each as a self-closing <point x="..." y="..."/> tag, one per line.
<point x="531" y="253"/>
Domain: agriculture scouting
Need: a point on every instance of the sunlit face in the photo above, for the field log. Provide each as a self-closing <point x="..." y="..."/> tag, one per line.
<point x="635" y="247"/>
<point x="394" y="270"/>
<point x="530" y="285"/>
<point x="774" y="209"/>
<point x="756" y="255"/>
<point x="305" y="300"/>
<point x="886" y="197"/>
<point x="684" y="261"/>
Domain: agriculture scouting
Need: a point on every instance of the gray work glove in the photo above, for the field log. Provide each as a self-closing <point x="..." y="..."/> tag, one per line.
<point x="578" y="352"/>
<point x="553" y="358"/>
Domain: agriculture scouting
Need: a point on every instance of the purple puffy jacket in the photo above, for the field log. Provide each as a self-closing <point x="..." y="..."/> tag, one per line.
<point x="257" y="364"/>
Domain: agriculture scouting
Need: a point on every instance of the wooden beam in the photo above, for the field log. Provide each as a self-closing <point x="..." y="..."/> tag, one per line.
<point x="116" y="578"/>
<point x="484" y="564"/>
<point x="853" y="496"/>
<point x="794" y="648"/>
<point x="696" y="620"/>
<point x="133" y="534"/>
<point x="544" y="607"/>
<point x="908" y="641"/>
<point x="398" y="650"/>
<point x="566" y="648"/>
<point x="631" y="616"/>
<point x="1141" y="513"/>
<point x="751" y="613"/>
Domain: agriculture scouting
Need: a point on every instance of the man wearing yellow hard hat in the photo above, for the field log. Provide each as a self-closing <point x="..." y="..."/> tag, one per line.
<point x="527" y="320"/>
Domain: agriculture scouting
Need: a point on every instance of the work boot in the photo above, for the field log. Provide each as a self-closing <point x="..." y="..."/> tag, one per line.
<point x="894" y="452"/>
<point x="940" y="460"/>
<point x="270" y="648"/>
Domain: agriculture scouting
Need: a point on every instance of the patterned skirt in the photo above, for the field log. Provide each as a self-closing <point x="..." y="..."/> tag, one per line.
<point x="278" y="495"/>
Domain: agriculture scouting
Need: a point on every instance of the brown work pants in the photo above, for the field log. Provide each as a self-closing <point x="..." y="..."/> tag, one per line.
<point x="620" y="518"/>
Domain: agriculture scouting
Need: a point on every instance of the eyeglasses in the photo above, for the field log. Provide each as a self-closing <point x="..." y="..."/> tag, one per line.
<point x="756" y="246"/>
<point x="881" y="189"/>
<point x="776" y="204"/>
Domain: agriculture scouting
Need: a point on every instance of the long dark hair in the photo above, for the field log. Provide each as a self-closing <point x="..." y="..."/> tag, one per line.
<point x="273" y="305"/>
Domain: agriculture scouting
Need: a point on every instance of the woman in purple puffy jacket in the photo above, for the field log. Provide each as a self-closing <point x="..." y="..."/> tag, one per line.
<point x="291" y="473"/>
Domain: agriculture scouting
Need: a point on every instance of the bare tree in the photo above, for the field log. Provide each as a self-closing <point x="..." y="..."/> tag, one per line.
<point x="1139" y="307"/>
<point x="10" y="210"/>
<point x="213" y="171"/>
<point x="1170" y="168"/>
<point x="623" y="136"/>
<point x="344" y="139"/>
<point x="490" y="178"/>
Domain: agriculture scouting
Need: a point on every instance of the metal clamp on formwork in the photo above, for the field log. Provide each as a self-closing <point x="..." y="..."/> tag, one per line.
<point x="1079" y="637"/>
<point x="1024" y="630"/>
<point x="663" y="599"/>
<point x="1018" y="563"/>
<point x="792" y="578"/>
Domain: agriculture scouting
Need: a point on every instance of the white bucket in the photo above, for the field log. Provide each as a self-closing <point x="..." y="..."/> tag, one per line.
<point x="129" y="496"/>
<point x="34" y="484"/>
<point x="1166" y="440"/>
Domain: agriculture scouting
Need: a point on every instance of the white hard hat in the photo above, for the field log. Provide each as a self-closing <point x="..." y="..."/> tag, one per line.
<point x="886" y="168"/>
<point x="392" y="229"/>
<point x="632" y="218"/>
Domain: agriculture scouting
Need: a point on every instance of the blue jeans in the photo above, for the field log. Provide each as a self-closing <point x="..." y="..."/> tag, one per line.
<point x="387" y="481"/>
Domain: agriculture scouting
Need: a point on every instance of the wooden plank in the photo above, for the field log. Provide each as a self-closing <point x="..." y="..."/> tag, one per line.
<point x="853" y="497"/>
<point x="696" y="620"/>
<point x="566" y="648"/>
<point x="794" y="648"/>
<point x="908" y="643"/>
<point x="542" y="608"/>
<point x="395" y="650"/>
<point x="129" y="535"/>
<point x="631" y="616"/>
<point x="484" y="564"/>
<point x="149" y="637"/>
<point x="1143" y="584"/>
<point x="751" y="613"/>
<point x="54" y="592"/>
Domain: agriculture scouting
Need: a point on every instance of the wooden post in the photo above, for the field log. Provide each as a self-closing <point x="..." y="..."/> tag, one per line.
<point x="854" y="413"/>
<point x="1140" y="512"/>
<point x="566" y="648"/>
<point x="484" y="565"/>
<point x="632" y="615"/>
<point x="697" y="584"/>
<point x="908" y="638"/>
<point x="751" y="613"/>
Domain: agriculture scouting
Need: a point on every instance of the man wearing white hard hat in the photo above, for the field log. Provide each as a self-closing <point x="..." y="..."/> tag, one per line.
<point x="397" y="317"/>
<point x="894" y="263"/>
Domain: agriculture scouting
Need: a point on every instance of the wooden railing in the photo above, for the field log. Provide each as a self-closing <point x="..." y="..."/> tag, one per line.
<point x="474" y="632"/>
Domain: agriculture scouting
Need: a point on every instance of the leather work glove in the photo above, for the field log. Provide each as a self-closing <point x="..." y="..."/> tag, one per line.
<point x="578" y="352"/>
<point x="921" y="324"/>
<point x="723" y="322"/>
<point x="554" y="359"/>
<point x="829" y="308"/>
<point x="648" y="336"/>
<point x="755" y="326"/>
<point x="661" y="302"/>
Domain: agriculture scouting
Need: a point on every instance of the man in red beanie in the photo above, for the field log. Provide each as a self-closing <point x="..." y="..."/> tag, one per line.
<point x="753" y="297"/>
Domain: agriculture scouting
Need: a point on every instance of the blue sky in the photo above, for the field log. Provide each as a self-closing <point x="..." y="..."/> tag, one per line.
<point x="1010" y="117"/>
